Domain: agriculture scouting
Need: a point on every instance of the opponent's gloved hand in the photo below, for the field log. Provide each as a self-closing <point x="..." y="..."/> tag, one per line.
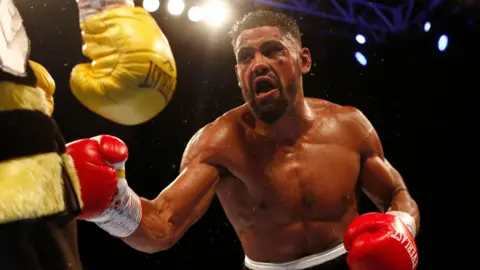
<point x="378" y="241"/>
<point x="44" y="82"/>
<point x="133" y="73"/>
<point x="108" y="201"/>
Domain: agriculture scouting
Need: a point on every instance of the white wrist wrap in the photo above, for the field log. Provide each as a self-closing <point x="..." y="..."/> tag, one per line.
<point x="124" y="213"/>
<point x="407" y="219"/>
<point x="87" y="8"/>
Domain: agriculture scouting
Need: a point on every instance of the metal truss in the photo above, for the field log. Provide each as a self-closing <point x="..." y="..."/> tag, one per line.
<point x="375" y="16"/>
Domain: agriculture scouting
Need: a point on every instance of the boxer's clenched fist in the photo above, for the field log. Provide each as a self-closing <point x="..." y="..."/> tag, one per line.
<point x="378" y="241"/>
<point x="108" y="201"/>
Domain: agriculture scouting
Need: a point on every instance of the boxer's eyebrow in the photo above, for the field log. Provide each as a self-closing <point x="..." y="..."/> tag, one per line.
<point x="244" y="48"/>
<point x="271" y="44"/>
<point x="265" y="44"/>
<point x="244" y="51"/>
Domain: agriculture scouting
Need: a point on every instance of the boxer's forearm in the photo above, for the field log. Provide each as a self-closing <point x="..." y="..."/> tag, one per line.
<point x="402" y="201"/>
<point x="154" y="232"/>
<point x="166" y="218"/>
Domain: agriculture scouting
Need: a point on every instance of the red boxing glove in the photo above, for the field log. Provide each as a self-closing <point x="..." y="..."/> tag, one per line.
<point x="107" y="199"/>
<point x="378" y="241"/>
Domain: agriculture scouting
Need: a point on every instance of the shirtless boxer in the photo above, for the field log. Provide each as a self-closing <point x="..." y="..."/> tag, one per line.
<point x="287" y="170"/>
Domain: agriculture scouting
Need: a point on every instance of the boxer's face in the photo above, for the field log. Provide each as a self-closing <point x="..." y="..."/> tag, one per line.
<point x="269" y="70"/>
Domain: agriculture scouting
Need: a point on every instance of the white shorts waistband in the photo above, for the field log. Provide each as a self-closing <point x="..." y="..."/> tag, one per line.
<point x="303" y="263"/>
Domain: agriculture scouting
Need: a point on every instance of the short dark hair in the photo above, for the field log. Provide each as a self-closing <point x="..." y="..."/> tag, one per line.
<point x="261" y="18"/>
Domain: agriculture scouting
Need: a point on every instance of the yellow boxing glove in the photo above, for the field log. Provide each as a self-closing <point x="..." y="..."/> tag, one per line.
<point x="44" y="82"/>
<point x="133" y="74"/>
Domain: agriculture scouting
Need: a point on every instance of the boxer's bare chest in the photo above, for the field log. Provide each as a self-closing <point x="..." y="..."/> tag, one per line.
<point x="312" y="179"/>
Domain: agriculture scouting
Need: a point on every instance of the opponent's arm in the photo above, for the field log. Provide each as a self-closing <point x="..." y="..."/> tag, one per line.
<point x="182" y="203"/>
<point x="382" y="183"/>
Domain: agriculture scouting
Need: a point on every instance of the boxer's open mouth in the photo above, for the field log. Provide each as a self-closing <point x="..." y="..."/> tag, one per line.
<point x="264" y="86"/>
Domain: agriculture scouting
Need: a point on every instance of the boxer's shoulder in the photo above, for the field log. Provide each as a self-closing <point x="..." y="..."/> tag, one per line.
<point x="348" y="117"/>
<point x="326" y="109"/>
<point x="353" y="120"/>
<point x="213" y="141"/>
<point x="321" y="107"/>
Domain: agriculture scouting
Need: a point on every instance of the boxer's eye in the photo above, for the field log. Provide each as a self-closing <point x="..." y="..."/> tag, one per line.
<point x="245" y="55"/>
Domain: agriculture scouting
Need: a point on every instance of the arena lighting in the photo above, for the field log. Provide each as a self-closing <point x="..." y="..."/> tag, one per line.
<point x="361" y="58"/>
<point x="427" y="26"/>
<point x="195" y="14"/>
<point x="442" y="43"/>
<point x="176" y="7"/>
<point x="360" y="39"/>
<point x="151" y="5"/>
<point x="215" y="12"/>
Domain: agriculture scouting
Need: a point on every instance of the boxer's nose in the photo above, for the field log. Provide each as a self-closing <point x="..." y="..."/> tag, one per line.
<point x="260" y="67"/>
<point x="260" y="70"/>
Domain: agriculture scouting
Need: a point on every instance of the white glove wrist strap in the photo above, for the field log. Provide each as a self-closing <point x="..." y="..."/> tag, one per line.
<point x="87" y="8"/>
<point x="407" y="219"/>
<point x="124" y="213"/>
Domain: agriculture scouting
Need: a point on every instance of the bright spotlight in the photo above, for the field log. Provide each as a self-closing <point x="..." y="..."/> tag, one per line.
<point x="442" y="43"/>
<point x="151" y="5"/>
<point x="195" y="14"/>
<point x="360" y="39"/>
<point x="427" y="26"/>
<point x="175" y="7"/>
<point x="216" y="12"/>
<point x="361" y="58"/>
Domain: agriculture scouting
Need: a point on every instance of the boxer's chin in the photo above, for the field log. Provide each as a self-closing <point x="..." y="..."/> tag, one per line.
<point x="271" y="112"/>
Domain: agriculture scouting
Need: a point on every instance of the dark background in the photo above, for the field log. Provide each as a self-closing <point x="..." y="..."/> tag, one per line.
<point x="415" y="96"/>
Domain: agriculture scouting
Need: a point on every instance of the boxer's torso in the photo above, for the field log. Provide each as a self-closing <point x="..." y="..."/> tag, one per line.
<point x="287" y="201"/>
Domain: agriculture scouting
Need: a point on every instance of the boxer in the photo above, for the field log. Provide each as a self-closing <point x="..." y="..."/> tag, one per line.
<point x="287" y="170"/>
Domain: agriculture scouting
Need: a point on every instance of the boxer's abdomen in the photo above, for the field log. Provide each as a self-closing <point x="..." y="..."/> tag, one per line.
<point x="279" y="244"/>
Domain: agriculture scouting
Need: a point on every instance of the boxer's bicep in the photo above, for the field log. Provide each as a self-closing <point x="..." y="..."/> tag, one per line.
<point x="197" y="212"/>
<point x="187" y="199"/>
<point x="378" y="178"/>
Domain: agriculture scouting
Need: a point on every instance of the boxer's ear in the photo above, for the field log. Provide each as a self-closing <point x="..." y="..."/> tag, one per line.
<point x="305" y="60"/>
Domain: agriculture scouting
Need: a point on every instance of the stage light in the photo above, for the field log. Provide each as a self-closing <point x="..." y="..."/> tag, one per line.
<point x="427" y="26"/>
<point x="195" y="14"/>
<point x="361" y="58"/>
<point x="442" y="43"/>
<point x="176" y="7"/>
<point x="360" y="39"/>
<point x="216" y="12"/>
<point x="151" y="5"/>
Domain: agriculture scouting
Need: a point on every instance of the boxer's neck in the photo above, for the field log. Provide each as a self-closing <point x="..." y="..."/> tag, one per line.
<point x="296" y="121"/>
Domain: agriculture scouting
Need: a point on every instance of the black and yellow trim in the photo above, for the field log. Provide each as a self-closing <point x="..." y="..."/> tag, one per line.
<point x="37" y="177"/>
